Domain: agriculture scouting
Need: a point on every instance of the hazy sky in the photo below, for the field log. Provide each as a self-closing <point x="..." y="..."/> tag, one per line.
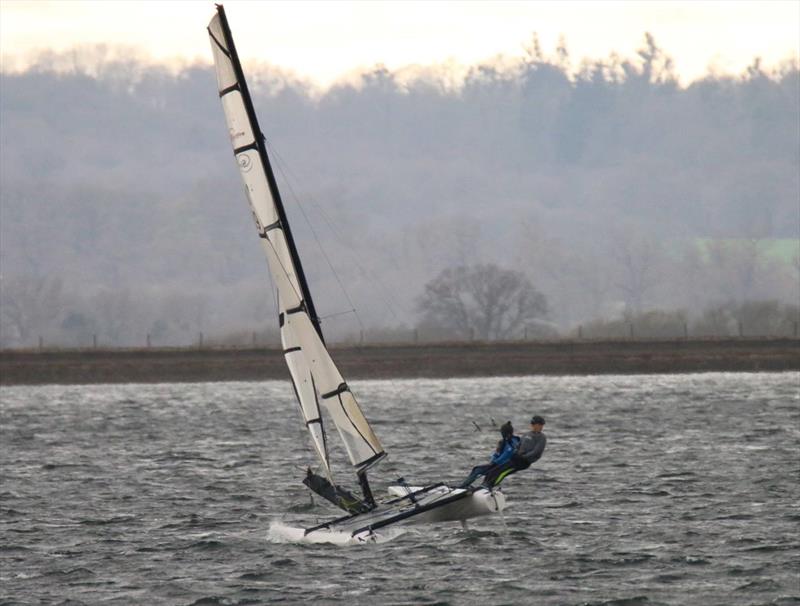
<point x="324" y="40"/>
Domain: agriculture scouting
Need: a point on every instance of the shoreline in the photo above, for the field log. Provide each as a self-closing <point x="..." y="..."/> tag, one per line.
<point x="443" y="360"/>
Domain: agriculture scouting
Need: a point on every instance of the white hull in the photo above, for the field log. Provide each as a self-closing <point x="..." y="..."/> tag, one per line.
<point x="480" y="503"/>
<point x="416" y="505"/>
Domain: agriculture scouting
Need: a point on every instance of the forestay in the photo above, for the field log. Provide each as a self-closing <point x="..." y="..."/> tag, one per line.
<point x="314" y="375"/>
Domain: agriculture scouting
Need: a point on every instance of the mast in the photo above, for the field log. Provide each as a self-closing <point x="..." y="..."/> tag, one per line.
<point x="273" y="184"/>
<point x="315" y="377"/>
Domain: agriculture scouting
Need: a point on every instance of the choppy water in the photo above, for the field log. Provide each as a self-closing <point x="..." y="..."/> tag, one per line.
<point x="679" y="489"/>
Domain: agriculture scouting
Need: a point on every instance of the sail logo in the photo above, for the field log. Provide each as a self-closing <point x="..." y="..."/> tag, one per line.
<point x="234" y="134"/>
<point x="245" y="162"/>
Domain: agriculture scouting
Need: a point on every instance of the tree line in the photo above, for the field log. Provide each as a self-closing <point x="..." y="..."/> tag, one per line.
<point x="607" y="186"/>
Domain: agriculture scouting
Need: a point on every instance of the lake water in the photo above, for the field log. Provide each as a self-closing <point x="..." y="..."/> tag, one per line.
<point x="659" y="489"/>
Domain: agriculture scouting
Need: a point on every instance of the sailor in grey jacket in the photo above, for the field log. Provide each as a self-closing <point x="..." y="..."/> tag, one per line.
<point x="531" y="447"/>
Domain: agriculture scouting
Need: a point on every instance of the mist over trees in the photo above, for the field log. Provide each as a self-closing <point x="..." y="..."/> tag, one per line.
<point x="612" y="189"/>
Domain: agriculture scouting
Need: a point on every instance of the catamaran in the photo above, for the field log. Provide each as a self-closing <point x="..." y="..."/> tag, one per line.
<point x="317" y="382"/>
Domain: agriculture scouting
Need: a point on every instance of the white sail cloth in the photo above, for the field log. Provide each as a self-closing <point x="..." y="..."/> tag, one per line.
<point x="310" y="365"/>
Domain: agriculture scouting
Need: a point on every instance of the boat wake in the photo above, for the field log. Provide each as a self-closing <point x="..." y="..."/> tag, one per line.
<point x="282" y="533"/>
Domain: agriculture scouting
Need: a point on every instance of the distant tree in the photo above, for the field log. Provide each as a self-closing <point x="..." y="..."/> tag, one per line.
<point x="486" y="301"/>
<point x="77" y="328"/>
<point x="638" y="261"/>
<point x="741" y="270"/>
<point x="766" y="318"/>
<point x="28" y="305"/>
<point x="114" y="313"/>
<point x="573" y="276"/>
<point x="656" y="323"/>
<point x="717" y="321"/>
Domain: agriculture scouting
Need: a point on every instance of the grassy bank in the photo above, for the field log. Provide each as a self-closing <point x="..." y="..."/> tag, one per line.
<point x="19" y="367"/>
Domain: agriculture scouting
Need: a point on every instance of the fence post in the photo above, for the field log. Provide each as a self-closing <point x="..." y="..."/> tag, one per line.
<point x="41" y="343"/>
<point x="148" y="340"/>
<point x="630" y="329"/>
<point x="416" y="334"/>
<point x="741" y="331"/>
<point x="200" y="341"/>
<point x="361" y="337"/>
<point x="94" y="341"/>
<point x="471" y="334"/>
<point x="254" y="338"/>
<point x="580" y="331"/>
<point x="526" y="333"/>
<point x="795" y="329"/>
<point x="685" y="330"/>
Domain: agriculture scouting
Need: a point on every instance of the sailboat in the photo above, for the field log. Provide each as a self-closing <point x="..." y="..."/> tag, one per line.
<point x="318" y="384"/>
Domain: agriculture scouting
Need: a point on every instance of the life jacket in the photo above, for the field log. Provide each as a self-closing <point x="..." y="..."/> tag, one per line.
<point x="509" y="447"/>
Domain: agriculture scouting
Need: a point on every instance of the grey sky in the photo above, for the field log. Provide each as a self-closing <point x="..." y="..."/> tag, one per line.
<point x="324" y="41"/>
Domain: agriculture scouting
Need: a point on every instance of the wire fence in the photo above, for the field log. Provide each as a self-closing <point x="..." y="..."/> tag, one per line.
<point x="428" y="336"/>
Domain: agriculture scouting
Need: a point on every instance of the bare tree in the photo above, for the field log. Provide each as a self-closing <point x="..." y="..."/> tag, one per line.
<point x="28" y="304"/>
<point x="114" y="312"/>
<point x="739" y="267"/>
<point x="484" y="300"/>
<point x="575" y="279"/>
<point x="638" y="258"/>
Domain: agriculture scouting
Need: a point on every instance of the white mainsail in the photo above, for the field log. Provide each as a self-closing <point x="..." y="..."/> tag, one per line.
<point x="314" y="374"/>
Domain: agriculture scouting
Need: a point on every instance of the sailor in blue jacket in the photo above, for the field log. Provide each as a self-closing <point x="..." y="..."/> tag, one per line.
<point x="505" y="450"/>
<point x="531" y="447"/>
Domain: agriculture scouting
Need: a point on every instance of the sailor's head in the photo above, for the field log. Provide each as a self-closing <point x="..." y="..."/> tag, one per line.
<point x="537" y="423"/>
<point x="507" y="430"/>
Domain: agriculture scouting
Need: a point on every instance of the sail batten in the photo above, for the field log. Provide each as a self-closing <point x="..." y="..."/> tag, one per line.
<point x="316" y="380"/>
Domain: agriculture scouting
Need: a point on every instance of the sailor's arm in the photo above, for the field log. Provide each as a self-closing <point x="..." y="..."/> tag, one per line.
<point x="534" y="448"/>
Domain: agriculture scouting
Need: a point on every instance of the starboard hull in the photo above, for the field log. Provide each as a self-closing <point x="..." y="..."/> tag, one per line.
<point x="417" y="505"/>
<point x="474" y="503"/>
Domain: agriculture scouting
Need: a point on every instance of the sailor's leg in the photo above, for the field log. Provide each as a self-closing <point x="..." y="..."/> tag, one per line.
<point x="505" y="471"/>
<point x="503" y="475"/>
<point x="476" y="472"/>
<point x="491" y="476"/>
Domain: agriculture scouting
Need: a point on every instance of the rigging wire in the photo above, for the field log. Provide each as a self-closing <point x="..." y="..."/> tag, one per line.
<point x="337" y="314"/>
<point x="314" y="232"/>
<point x="382" y="291"/>
<point x="287" y="175"/>
<point x="274" y="290"/>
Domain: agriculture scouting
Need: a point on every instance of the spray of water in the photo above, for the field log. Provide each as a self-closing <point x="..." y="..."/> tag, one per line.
<point x="282" y="533"/>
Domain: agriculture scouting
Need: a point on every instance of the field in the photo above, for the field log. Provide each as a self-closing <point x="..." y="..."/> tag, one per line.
<point x="31" y="367"/>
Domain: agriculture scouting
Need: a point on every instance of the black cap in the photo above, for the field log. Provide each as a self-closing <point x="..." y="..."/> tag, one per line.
<point x="537" y="420"/>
